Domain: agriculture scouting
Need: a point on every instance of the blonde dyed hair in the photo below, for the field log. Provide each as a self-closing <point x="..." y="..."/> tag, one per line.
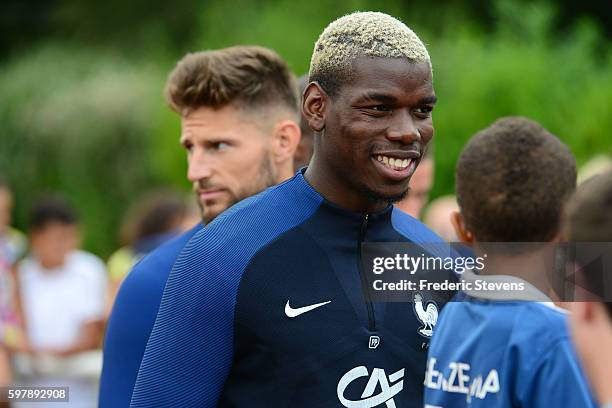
<point x="361" y="34"/>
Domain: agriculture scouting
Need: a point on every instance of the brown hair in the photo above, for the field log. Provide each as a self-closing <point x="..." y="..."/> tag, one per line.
<point x="247" y="76"/>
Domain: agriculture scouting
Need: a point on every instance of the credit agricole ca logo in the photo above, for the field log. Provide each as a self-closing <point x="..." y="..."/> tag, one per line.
<point x="389" y="387"/>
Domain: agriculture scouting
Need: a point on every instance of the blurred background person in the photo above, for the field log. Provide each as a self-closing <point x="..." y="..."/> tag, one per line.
<point x="599" y="164"/>
<point x="13" y="243"/>
<point x="5" y="366"/>
<point x="438" y="217"/>
<point x="5" y="311"/>
<point x="63" y="290"/>
<point x="193" y="213"/>
<point x="303" y="153"/>
<point x="420" y="186"/>
<point x="5" y="373"/>
<point x="154" y="218"/>
<point x="589" y="219"/>
<point x="5" y="213"/>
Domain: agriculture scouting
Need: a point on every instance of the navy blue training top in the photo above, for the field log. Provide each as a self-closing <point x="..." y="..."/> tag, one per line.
<point x="132" y="319"/>
<point x="266" y="307"/>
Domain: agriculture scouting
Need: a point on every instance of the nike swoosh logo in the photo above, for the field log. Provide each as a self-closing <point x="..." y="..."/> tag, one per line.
<point x="291" y="312"/>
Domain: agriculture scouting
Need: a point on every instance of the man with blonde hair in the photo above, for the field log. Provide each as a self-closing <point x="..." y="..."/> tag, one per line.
<point x="270" y="305"/>
<point x="239" y="127"/>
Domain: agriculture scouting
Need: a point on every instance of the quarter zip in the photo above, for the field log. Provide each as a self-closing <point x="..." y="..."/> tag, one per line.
<point x="364" y="279"/>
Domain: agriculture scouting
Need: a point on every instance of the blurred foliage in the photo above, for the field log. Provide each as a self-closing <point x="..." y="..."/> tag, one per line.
<point x="85" y="114"/>
<point x="563" y="82"/>
<point x="82" y="123"/>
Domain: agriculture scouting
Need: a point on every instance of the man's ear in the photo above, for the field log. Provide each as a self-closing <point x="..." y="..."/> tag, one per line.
<point x="313" y="107"/>
<point x="287" y="136"/>
<point x="461" y="230"/>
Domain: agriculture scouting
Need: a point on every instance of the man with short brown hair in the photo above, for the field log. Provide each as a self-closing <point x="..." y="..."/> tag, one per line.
<point x="239" y="116"/>
<point x="239" y="121"/>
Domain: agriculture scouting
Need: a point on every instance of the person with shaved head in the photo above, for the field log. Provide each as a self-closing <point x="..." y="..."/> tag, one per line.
<point x="269" y="305"/>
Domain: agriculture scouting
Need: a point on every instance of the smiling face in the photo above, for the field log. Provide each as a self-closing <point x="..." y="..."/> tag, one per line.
<point x="228" y="156"/>
<point x="377" y="126"/>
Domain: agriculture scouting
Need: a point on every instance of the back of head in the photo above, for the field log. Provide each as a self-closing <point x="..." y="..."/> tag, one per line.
<point x="361" y="34"/>
<point x="512" y="180"/>
<point x="247" y="77"/>
<point x="51" y="209"/>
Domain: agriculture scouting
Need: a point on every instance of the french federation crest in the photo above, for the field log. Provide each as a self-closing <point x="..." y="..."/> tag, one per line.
<point x="427" y="313"/>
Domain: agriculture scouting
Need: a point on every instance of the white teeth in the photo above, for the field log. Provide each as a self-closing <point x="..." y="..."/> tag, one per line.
<point x="396" y="164"/>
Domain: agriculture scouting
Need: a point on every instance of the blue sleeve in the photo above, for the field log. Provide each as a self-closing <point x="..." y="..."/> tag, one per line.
<point x="189" y="353"/>
<point x="132" y="319"/>
<point x="557" y="381"/>
<point x="126" y="325"/>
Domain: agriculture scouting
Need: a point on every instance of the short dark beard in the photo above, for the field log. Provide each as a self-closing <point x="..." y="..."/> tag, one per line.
<point x="267" y="177"/>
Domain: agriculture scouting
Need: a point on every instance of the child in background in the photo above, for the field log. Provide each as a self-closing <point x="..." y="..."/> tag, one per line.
<point x="63" y="291"/>
<point x="153" y="219"/>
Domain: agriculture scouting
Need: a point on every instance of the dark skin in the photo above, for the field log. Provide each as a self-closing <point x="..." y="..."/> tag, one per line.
<point x="383" y="109"/>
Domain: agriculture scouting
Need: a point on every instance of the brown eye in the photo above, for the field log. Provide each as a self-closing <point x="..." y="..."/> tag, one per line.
<point x="424" y="111"/>
<point x="188" y="147"/>
<point x="381" y="108"/>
